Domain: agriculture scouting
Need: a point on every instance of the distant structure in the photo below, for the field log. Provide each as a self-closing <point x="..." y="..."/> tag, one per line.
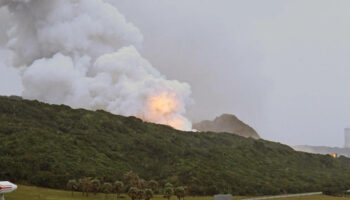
<point x="347" y="138"/>
<point x="335" y="152"/>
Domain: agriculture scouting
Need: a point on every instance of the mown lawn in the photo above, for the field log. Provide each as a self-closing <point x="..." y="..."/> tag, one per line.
<point x="36" y="193"/>
<point x="314" y="197"/>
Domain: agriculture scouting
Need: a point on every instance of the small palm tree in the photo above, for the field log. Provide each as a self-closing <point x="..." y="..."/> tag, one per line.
<point x="85" y="185"/>
<point x="180" y="192"/>
<point x="96" y="184"/>
<point x="133" y="193"/>
<point x="148" y="194"/>
<point x="131" y="179"/>
<point x="168" y="185"/>
<point x="107" y="188"/>
<point x="118" y="187"/>
<point x="185" y="192"/>
<point x="72" y="185"/>
<point x="140" y="194"/>
<point x="168" y="192"/>
<point x="153" y="185"/>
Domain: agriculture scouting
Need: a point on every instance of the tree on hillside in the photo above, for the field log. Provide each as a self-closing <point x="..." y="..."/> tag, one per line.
<point x="72" y="185"/>
<point x="168" y="192"/>
<point x="133" y="191"/>
<point x="96" y="184"/>
<point x="180" y="192"/>
<point x="118" y="187"/>
<point x="148" y="194"/>
<point x="153" y="185"/>
<point x="107" y="188"/>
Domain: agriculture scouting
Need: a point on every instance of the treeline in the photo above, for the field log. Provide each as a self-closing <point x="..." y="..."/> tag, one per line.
<point x="132" y="184"/>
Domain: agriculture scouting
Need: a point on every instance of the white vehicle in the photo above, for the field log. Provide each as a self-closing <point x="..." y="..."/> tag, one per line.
<point x="6" y="187"/>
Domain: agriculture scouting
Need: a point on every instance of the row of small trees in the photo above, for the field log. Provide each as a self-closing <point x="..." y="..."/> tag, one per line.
<point x="179" y="192"/>
<point x="136" y="188"/>
<point x="88" y="185"/>
<point x="147" y="194"/>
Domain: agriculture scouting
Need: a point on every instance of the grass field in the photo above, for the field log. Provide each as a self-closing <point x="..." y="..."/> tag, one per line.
<point x="36" y="193"/>
<point x="314" y="197"/>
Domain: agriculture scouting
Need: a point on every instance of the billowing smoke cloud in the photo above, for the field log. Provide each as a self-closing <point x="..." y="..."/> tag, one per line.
<point x="83" y="53"/>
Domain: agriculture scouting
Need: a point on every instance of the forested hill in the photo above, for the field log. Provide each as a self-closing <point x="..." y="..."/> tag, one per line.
<point x="45" y="145"/>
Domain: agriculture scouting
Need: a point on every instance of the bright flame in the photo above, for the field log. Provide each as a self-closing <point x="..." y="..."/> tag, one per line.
<point x="163" y="104"/>
<point x="177" y="123"/>
<point x="164" y="108"/>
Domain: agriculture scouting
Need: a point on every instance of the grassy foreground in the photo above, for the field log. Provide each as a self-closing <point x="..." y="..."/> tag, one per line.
<point x="36" y="193"/>
<point x="314" y="197"/>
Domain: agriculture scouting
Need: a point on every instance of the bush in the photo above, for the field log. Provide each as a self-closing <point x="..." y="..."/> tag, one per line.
<point x="334" y="192"/>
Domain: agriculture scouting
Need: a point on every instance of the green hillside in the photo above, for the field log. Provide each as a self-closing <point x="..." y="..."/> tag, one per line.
<point x="45" y="145"/>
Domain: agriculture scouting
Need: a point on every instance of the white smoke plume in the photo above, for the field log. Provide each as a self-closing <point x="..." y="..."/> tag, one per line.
<point x="83" y="53"/>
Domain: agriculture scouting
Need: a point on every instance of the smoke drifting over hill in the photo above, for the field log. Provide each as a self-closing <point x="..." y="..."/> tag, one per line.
<point x="280" y="66"/>
<point x="84" y="53"/>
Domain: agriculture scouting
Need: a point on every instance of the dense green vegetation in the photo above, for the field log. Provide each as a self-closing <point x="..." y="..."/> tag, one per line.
<point x="47" y="145"/>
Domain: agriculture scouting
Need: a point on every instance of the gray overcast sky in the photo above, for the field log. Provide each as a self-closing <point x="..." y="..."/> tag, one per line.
<point x="281" y="66"/>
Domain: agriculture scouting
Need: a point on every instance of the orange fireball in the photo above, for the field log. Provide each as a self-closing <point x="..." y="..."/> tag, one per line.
<point x="163" y="108"/>
<point x="163" y="104"/>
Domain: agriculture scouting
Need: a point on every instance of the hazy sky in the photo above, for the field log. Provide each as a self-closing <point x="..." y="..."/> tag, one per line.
<point x="281" y="66"/>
